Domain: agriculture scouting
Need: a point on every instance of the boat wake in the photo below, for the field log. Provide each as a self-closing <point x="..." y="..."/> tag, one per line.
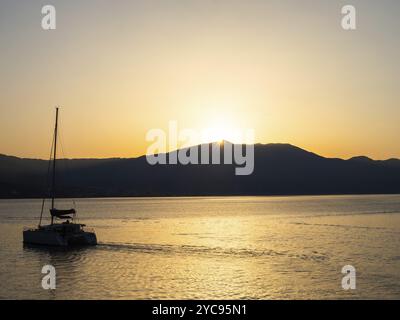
<point x="205" y="251"/>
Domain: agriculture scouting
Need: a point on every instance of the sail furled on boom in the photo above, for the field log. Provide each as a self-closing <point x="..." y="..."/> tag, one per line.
<point x="62" y="214"/>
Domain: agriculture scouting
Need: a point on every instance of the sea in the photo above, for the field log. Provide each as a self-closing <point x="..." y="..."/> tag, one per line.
<point x="297" y="247"/>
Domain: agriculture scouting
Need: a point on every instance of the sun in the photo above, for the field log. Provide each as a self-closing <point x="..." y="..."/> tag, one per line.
<point x="219" y="131"/>
<point x="214" y="135"/>
<point x="221" y="120"/>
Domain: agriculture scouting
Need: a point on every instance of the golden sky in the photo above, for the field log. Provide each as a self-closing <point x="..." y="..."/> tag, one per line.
<point x="118" y="69"/>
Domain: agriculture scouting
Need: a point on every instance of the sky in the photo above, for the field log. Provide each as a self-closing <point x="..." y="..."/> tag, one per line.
<point x="285" y="69"/>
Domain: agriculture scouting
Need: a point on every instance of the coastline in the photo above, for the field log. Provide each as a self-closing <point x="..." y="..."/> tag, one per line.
<point x="212" y="195"/>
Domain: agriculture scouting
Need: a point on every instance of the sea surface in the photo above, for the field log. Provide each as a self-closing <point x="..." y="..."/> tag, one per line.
<point x="211" y="248"/>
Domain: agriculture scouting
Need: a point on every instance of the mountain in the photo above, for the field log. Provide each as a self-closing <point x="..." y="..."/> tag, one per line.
<point x="279" y="169"/>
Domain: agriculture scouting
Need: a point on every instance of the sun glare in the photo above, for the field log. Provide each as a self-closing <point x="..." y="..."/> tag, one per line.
<point x="214" y="135"/>
<point x="220" y="131"/>
<point x="218" y="117"/>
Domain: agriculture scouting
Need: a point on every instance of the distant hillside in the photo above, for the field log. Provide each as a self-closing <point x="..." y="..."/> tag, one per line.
<point x="280" y="169"/>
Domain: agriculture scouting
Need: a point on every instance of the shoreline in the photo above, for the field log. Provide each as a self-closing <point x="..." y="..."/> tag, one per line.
<point x="210" y="196"/>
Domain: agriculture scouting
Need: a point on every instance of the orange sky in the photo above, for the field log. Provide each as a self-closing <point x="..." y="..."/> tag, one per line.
<point x="284" y="69"/>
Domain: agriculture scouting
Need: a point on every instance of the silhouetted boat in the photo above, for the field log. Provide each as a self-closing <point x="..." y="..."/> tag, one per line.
<point x="65" y="233"/>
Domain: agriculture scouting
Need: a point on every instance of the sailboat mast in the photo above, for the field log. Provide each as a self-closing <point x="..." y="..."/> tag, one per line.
<point x="53" y="188"/>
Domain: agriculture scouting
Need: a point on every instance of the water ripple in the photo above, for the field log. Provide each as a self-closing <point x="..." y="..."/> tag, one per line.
<point x="207" y="251"/>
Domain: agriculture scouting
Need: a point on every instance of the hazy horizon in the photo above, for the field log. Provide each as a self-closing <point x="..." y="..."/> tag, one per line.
<point x="283" y="68"/>
<point x="66" y="157"/>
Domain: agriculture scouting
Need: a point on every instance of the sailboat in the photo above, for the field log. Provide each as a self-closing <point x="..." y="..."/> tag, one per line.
<point x="62" y="231"/>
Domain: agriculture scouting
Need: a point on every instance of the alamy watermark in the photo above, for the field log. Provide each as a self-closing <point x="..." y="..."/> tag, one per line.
<point x="164" y="149"/>
<point x="49" y="280"/>
<point x="49" y="18"/>
<point x="349" y="280"/>
<point x="349" y="21"/>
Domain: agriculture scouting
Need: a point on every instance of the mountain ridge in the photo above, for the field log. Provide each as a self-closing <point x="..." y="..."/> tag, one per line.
<point x="271" y="145"/>
<point x="280" y="169"/>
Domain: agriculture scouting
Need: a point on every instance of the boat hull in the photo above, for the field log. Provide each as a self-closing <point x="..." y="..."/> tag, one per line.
<point x="46" y="238"/>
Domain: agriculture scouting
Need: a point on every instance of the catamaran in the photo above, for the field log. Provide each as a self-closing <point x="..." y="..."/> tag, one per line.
<point x="66" y="233"/>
